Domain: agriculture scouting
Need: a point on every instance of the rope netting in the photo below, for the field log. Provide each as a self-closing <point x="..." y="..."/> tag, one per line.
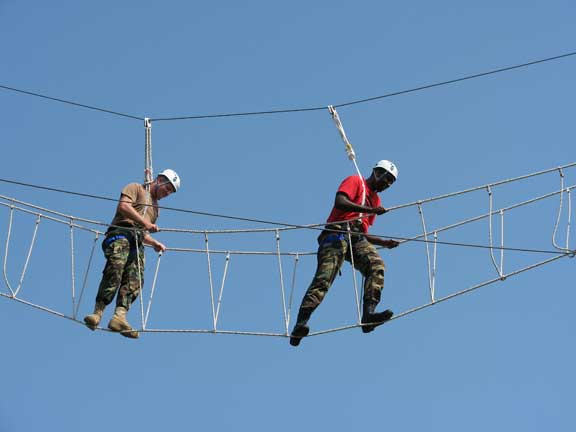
<point x="252" y="306"/>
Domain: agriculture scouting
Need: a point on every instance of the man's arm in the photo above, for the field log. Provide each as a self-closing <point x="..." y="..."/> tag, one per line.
<point x="387" y="243"/>
<point x="343" y="203"/>
<point x="149" y="240"/>
<point x="125" y="209"/>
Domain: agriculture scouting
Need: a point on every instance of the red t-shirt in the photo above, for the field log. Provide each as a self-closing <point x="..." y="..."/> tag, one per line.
<point x="352" y="187"/>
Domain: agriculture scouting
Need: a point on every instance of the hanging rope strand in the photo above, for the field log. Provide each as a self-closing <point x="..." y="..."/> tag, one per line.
<point x="569" y="219"/>
<point x="501" y="243"/>
<point x="148" y="170"/>
<point x="428" y="261"/>
<point x="210" y="280"/>
<point x="140" y="281"/>
<point x="153" y="289"/>
<point x="28" y="255"/>
<point x="351" y="251"/>
<point x="281" y="272"/>
<point x="6" y="248"/>
<point x="434" y="255"/>
<point x="490" y="236"/>
<point x="224" y="275"/>
<point x="87" y="271"/>
<point x="73" y="268"/>
<point x="296" y="259"/>
<point x="560" y="208"/>
<point x="349" y="149"/>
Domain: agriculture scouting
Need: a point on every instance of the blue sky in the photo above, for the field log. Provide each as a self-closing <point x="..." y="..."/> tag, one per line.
<point x="500" y="357"/>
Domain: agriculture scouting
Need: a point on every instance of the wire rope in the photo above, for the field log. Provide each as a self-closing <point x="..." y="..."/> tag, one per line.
<point x="80" y="105"/>
<point x="298" y="109"/>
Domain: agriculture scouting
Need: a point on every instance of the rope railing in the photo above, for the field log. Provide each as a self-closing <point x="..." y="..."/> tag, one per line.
<point x="288" y="226"/>
<point x="314" y="226"/>
<point x="402" y="239"/>
<point x="487" y="215"/>
<point x="478" y="188"/>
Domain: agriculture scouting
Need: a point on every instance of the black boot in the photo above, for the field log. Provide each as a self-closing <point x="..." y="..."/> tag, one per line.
<point x="369" y="316"/>
<point x="301" y="328"/>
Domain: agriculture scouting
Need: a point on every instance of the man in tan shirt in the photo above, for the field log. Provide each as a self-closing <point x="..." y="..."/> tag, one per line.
<point x="135" y="219"/>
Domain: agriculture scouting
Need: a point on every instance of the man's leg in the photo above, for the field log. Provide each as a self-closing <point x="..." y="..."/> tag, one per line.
<point x="330" y="258"/>
<point x="132" y="282"/>
<point x="116" y="254"/>
<point x="370" y="264"/>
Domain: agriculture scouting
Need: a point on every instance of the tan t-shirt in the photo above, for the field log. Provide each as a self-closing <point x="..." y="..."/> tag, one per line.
<point x="137" y="195"/>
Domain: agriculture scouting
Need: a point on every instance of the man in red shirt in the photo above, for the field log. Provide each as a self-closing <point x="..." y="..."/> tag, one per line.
<point x="357" y="203"/>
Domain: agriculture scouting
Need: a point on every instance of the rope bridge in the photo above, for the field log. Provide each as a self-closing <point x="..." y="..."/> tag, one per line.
<point x="82" y="236"/>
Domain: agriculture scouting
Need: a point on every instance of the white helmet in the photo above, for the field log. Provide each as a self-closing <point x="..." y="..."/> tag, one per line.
<point x="388" y="166"/>
<point x="172" y="177"/>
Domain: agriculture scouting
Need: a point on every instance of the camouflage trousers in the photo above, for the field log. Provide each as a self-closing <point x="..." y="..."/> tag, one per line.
<point x="123" y="273"/>
<point x="331" y="256"/>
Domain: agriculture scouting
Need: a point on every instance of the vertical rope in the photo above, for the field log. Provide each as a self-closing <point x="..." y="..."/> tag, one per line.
<point x="569" y="219"/>
<point x="210" y="280"/>
<point x="32" y="243"/>
<point x="140" y="287"/>
<point x="490" y="236"/>
<point x="353" y="272"/>
<point x="8" y="235"/>
<point x="433" y="290"/>
<point x="226" y="264"/>
<point x="560" y="207"/>
<point x="148" y="174"/>
<point x="279" y="255"/>
<point x="502" y="244"/>
<point x="296" y="259"/>
<point x="72" y="268"/>
<point x="152" y="290"/>
<point x="430" y="277"/>
<point x="87" y="271"/>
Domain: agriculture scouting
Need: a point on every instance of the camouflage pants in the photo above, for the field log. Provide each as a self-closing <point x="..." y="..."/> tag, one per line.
<point x="331" y="256"/>
<point x="123" y="273"/>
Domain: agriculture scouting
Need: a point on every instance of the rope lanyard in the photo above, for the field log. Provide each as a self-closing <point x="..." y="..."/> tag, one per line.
<point x="349" y="150"/>
<point x="147" y="163"/>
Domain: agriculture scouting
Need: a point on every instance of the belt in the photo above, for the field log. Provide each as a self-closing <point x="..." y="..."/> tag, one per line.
<point x="114" y="234"/>
<point x="113" y="238"/>
<point x="333" y="237"/>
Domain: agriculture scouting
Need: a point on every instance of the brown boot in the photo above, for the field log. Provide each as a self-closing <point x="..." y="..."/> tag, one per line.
<point x="118" y="323"/>
<point x="93" y="319"/>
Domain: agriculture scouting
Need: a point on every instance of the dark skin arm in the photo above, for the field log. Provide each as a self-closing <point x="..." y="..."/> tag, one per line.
<point x="342" y="202"/>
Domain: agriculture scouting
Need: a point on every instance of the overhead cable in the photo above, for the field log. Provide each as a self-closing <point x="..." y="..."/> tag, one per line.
<point x="71" y="102"/>
<point x="374" y="98"/>
<point x="301" y="109"/>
